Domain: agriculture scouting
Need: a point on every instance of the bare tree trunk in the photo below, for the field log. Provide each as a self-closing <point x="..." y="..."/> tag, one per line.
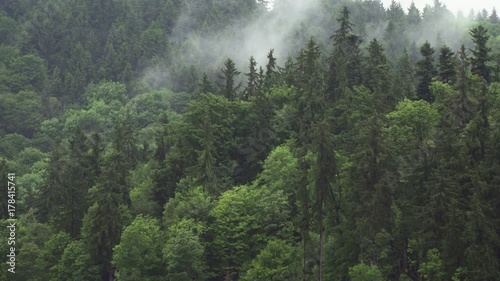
<point x="321" y="241"/>
<point x="304" y="258"/>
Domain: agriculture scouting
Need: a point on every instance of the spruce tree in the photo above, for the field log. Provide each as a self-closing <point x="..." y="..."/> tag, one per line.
<point x="163" y="188"/>
<point x="227" y="77"/>
<point x="446" y="66"/>
<point x="404" y="84"/>
<point x="104" y="218"/>
<point x="205" y="170"/>
<point x="414" y="16"/>
<point x="326" y="169"/>
<point x="426" y="72"/>
<point x="480" y="53"/>
<point x="252" y="80"/>
<point x="377" y="77"/>
<point x="205" y="85"/>
<point x="494" y="16"/>
<point x="311" y="112"/>
<point x="345" y="60"/>
<point x="270" y="70"/>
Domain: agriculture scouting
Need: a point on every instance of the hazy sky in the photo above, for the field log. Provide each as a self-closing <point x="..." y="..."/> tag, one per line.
<point x="453" y="5"/>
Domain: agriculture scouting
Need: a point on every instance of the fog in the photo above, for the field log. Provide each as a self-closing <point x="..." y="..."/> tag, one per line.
<point x="453" y="5"/>
<point x="285" y="28"/>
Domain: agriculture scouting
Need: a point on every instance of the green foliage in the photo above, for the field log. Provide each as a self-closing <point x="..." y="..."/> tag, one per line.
<point x="138" y="255"/>
<point x="280" y="171"/>
<point x="277" y="261"/>
<point x="27" y="73"/>
<point x="21" y="113"/>
<point x="363" y="272"/>
<point x="76" y="263"/>
<point x="228" y="87"/>
<point x="184" y="253"/>
<point x="411" y="124"/>
<point x="426" y="71"/>
<point x="142" y="193"/>
<point x="245" y="218"/>
<point x="380" y="161"/>
<point x="107" y="92"/>
<point x="190" y="203"/>
<point x="432" y="269"/>
<point x="480" y="53"/>
<point x="12" y="144"/>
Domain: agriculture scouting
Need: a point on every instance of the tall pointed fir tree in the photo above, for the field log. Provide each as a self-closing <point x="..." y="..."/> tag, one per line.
<point x="403" y="77"/>
<point x="446" y="66"/>
<point x="345" y="60"/>
<point x="323" y="146"/>
<point x="163" y="187"/>
<point x="227" y="85"/>
<point x="71" y="173"/>
<point x="426" y="72"/>
<point x="480" y="53"/>
<point x="377" y="77"/>
<point x="105" y="220"/>
<point x="494" y="17"/>
<point x="252" y="80"/>
<point x="205" y="86"/>
<point x="314" y="134"/>
<point x="270" y="78"/>
<point x="205" y="170"/>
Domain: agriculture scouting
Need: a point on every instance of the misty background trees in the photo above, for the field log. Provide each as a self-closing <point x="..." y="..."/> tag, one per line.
<point x="223" y="140"/>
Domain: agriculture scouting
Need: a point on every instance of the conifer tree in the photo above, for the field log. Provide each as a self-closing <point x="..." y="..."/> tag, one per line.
<point x="494" y="17"/>
<point x="270" y="69"/>
<point x="326" y="167"/>
<point x="404" y="84"/>
<point x="414" y="17"/>
<point x="311" y="112"/>
<point x="446" y="66"/>
<point x="377" y="77"/>
<point x="205" y="85"/>
<point x="163" y="188"/>
<point x="345" y="61"/>
<point x="426" y="71"/>
<point x="228" y="75"/>
<point x="480" y="53"/>
<point x="206" y="167"/>
<point x="252" y="80"/>
<point x="104" y="218"/>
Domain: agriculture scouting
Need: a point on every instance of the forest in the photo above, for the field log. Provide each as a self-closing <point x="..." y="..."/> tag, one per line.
<point x="195" y="140"/>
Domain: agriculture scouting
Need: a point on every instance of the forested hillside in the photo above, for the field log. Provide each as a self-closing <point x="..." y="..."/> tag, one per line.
<point x="227" y="140"/>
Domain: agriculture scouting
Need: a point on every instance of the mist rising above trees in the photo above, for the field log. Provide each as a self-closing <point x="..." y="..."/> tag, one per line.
<point x="223" y="140"/>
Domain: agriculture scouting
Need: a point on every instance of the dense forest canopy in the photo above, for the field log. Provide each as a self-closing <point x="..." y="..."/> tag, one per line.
<point x="227" y="140"/>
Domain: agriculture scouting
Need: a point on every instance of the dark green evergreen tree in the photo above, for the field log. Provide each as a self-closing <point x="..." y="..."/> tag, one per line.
<point x="310" y="112"/>
<point x="426" y="72"/>
<point x="205" y="170"/>
<point x="345" y="60"/>
<point x="252" y="80"/>
<point x="227" y="85"/>
<point x="446" y="66"/>
<point x="494" y="16"/>
<point x="480" y="53"/>
<point x="377" y="77"/>
<point x="105" y="217"/>
<point x="323" y="146"/>
<point x="270" y="69"/>
<point x="414" y="18"/>
<point x="205" y="85"/>
<point x="404" y="82"/>
<point x="163" y="187"/>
